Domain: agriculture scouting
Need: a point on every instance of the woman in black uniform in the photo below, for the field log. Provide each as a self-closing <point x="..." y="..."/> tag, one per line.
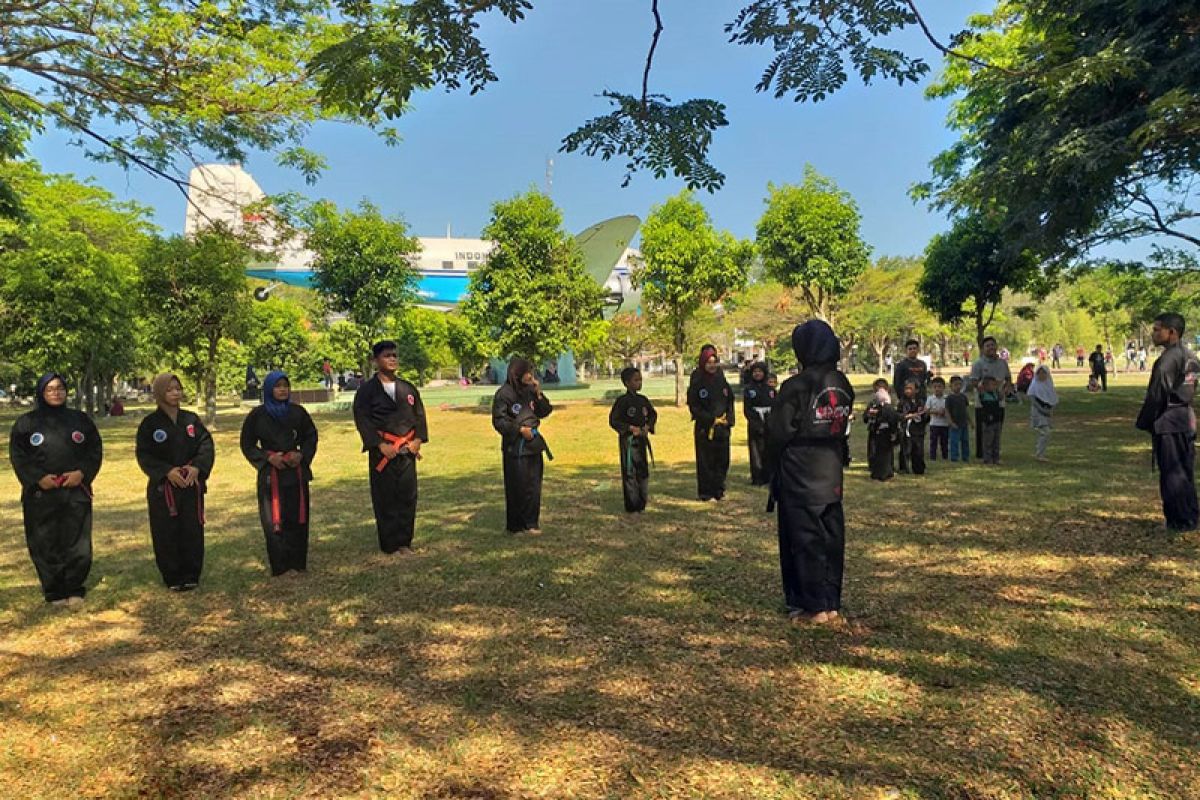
<point x="711" y="402"/>
<point x="175" y="451"/>
<point x="517" y="411"/>
<point x="280" y="440"/>
<point x="56" y="453"/>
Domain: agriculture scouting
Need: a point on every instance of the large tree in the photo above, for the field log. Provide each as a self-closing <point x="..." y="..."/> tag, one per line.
<point x="808" y="239"/>
<point x="532" y="296"/>
<point x="687" y="264"/>
<point x="882" y="306"/>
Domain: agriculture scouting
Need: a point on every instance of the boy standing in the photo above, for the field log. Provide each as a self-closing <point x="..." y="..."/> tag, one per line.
<point x="912" y="422"/>
<point x="939" y="420"/>
<point x="991" y="419"/>
<point x="960" y="421"/>
<point x="633" y="418"/>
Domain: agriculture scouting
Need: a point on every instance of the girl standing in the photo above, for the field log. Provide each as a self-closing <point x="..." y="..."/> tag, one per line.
<point x="1042" y="401"/>
<point x="711" y="402"/>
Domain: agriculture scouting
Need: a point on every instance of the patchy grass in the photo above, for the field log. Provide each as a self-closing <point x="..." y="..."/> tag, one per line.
<point x="1016" y="632"/>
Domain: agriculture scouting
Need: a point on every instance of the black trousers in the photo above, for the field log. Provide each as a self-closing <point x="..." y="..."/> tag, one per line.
<point x="812" y="554"/>
<point x="1175" y="454"/>
<point x="635" y="472"/>
<point x="990" y="433"/>
<point x="394" y="499"/>
<point x="712" y="463"/>
<point x="912" y="453"/>
<point x="178" y="540"/>
<point x="58" y="533"/>
<point x="287" y="549"/>
<point x="979" y="433"/>
<point x="879" y="457"/>
<point x="758" y="456"/>
<point x="522" y="491"/>
<point x="1103" y="376"/>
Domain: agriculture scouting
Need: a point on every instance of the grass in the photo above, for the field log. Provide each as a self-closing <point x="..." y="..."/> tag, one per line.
<point x="1016" y="632"/>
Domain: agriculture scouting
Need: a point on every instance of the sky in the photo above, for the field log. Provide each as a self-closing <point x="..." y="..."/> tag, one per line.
<point x="460" y="153"/>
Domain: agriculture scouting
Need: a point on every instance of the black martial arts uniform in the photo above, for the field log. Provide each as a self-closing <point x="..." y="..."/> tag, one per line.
<point x="883" y="430"/>
<point x="806" y="436"/>
<point x="513" y="408"/>
<point x="710" y="399"/>
<point x="912" y="436"/>
<point x="757" y="400"/>
<point x="914" y="370"/>
<point x="393" y="484"/>
<point x="176" y="515"/>
<point x="58" y="522"/>
<point x="283" y="494"/>
<point x="634" y="410"/>
<point x="1167" y="415"/>
<point x="1099" y="369"/>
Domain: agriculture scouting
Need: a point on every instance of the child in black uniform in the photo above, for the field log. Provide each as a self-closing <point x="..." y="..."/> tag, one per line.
<point x="517" y="412"/>
<point x="757" y="398"/>
<point x="633" y="418"/>
<point x="912" y="429"/>
<point x="883" y="427"/>
<point x="711" y="402"/>
<point x="991" y="419"/>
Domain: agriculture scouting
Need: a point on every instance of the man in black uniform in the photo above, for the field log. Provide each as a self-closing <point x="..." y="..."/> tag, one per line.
<point x="911" y="369"/>
<point x="1168" y="416"/>
<point x="806" y="439"/>
<point x="390" y="418"/>
<point x="518" y="409"/>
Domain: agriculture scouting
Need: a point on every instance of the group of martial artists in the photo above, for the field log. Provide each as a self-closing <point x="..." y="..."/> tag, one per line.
<point x="798" y="444"/>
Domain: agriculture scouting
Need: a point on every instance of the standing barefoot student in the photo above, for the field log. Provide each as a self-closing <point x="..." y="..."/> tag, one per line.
<point x="517" y="412"/>
<point x="757" y="399"/>
<point x="711" y="402"/>
<point x="280" y="441"/>
<point x="633" y="418"/>
<point x="390" y="418"/>
<point x="175" y="451"/>
<point x="807" y="438"/>
<point x="56" y="453"/>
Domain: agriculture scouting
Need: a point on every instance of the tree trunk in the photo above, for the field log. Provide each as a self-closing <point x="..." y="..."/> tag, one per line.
<point x="944" y="344"/>
<point x="879" y="348"/>
<point x="210" y="384"/>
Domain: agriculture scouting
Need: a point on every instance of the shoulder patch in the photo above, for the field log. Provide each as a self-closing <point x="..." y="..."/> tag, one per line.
<point x="191" y="431"/>
<point x="412" y="400"/>
<point x="77" y="437"/>
<point x="160" y="435"/>
<point x="36" y="439"/>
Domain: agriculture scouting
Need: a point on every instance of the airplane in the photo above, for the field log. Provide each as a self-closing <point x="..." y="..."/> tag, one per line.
<point x="225" y="193"/>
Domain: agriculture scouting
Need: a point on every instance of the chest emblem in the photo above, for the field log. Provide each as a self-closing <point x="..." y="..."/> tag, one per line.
<point x="191" y="431"/>
<point x="631" y="412"/>
<point x="160" y="435"/>
<point x="36" y="439"/>
<point x="77" y="437"/>
<point x="516" y="408"/>
<point x="704" y="394"/>
<point x="751" y="394"/>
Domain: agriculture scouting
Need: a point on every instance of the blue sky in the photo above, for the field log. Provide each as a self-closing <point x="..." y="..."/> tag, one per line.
<point x="459" y="153"/>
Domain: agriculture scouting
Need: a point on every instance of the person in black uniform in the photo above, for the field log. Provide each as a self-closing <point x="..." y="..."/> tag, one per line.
<point x="175" y="451"/>
<point x="711" y="402"/>
<point x="56" y="454"/>
<point x="280" y="441"/>
<point x="806" y="438"/>
<point x="913" y="418"/>
<point x="883" y="429"/>
<point x="757" y="398"/>
<point x="390" y="418"/>
<point x="1168" y="417"/>
<point x="633" y="418"/>
<point x="517" y="412"/>
<point x="1099" y="367"/>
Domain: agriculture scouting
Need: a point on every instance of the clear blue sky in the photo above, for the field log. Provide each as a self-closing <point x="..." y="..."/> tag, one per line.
<point x="460" y="153"/>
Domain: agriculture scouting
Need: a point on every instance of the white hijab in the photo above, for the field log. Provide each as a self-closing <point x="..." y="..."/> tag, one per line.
<point x="1042" y="387"/>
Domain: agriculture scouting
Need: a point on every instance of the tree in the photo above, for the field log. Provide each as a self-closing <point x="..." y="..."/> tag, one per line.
<point x="361" y="266"/>
<point x="630" y="336"/>
<point x="1083" y="130"/>
<point x="532" y="296"/>
<point x="967" y="271"/>
<point x="808" y="240"/>
<point x="687" y="264"/>
<point x="67" y="281"/>
<point x="194" y="289"/>
<point x="276" y="336"/>
<point x="422" y="337"/>
<point x="468" y="346"/>
<point x="882" y="306"/>
<point x="765" y="312"/>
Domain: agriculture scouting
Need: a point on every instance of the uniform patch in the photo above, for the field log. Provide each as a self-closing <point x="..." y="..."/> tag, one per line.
<point x="516" y="408"/>
<point x="191" y="431"/>
<point x="412" y="400"/>
<point x="36" y="439"/>
<point x="160" y="435"/>
<point x="631" y="412"/>
<point x="704" y="394"/>
<point x="751" y="394"/>
<point x="77" y="437"/>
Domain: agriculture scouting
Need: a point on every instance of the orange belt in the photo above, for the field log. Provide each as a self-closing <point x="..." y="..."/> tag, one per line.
<point x="276" y="511"/>
<point x="397" y="441"/>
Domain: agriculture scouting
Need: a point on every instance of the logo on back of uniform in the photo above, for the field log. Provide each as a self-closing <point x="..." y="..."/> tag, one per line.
<point x="77" y="437"/>
<point x="160" y="435"/>
<point x="829" y="414"/>
<point x="516" y="408"/>
<point x="191" y="431"/>
<point x="36" y="439"/>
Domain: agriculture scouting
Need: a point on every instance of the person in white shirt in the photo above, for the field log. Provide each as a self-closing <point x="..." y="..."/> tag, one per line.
<point x="939" y="420"/>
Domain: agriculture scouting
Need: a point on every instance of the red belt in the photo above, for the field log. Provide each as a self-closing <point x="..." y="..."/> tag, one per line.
<point x="169" y="497"/>
<point x="276" y="513"/>
<point x="397" y="441"/>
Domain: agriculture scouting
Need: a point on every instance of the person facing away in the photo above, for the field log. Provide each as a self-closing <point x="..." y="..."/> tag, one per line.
<point x="806" y="439"/>
<point x="990" y="419"/>
<point x="518" y="409"/>
<point x="279" y="440"/>
<point x="56" y="453"/>
<point x="957" y="412"/>
<point x="1080" y="354"/>
<point x="633" y="418"/>
<point x="939" y="420"/>
<point x="912" y="429"/>
<point x="911" y="368"/>
<point x="176" y="452"/>
<point x="883" y="431"/>
<point x="1168" y="417"/>
<point x="1042" y="402"/>
<point x="390" y="419"/>
<point x="710" y="401"/>
<point x="757" y="399"/>
<point x="1099" y="366"/>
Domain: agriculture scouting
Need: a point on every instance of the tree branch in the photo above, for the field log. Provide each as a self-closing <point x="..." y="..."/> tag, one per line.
<point x="950" y="51"/>
<point x="658" y="29"/>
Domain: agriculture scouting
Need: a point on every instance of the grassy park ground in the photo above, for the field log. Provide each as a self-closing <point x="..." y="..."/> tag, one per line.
<point x="1021" y="631"/>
